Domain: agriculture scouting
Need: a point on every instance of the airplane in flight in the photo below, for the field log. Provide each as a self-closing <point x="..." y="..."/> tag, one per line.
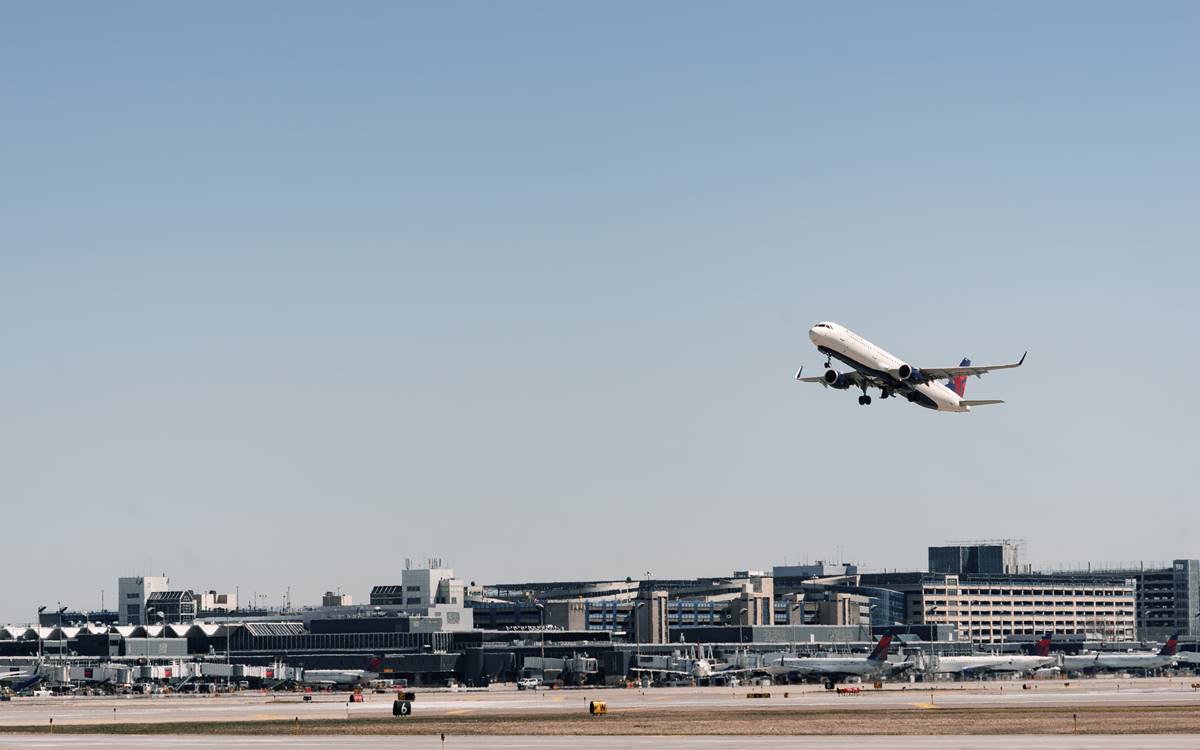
<point x="978" y="663"/>
<point x="834" y="668"/>
<point x="872" y="367"/>
<point x="1165" y="657"/>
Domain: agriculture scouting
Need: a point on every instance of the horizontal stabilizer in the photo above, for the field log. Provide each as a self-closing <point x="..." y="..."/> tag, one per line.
<point x="982" y="402"/>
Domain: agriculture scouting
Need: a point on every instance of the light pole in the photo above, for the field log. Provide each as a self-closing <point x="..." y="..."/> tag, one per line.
<point x="792" y="626"/>
<point x="62" y="643"/>
<point x="542" y="627"/>
<point x="637" y="626"/>
<point x="38" y="625"/>
<point x="925" y="618"/>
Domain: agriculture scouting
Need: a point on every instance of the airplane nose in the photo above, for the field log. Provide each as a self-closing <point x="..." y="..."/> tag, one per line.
<point x="814" y="335"/>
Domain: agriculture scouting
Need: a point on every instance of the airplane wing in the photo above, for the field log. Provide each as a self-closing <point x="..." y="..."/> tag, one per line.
<point x="854" y="377"/>
<point x="740" y="670"/>
<point x="662" y="671"/>
<point x="815" y="668"/>
<point x="975" y="669"/>
<point x="943" y="373"/>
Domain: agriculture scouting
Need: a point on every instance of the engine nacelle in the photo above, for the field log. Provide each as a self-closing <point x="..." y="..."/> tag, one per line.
<point x="835" y="379"/>
<point x="908" y="374"/>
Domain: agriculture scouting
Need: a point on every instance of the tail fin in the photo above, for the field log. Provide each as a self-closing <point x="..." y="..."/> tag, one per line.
<point x="374" y="664"/>
<point x="1170" y="647"/>
<point x="881" y="649"/>
<point x="959" y="384"/>
<point x="1042" y="648"/>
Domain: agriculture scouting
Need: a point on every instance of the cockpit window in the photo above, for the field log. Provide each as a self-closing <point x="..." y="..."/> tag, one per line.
<point x="822" y="325"/>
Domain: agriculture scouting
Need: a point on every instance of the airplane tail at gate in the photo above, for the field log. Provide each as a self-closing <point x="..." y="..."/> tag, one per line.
<point x="959" y="384"/>
<point x="1170" y="646"/>
<point x="881" y="649"/>
<point x="1042" y="648"/>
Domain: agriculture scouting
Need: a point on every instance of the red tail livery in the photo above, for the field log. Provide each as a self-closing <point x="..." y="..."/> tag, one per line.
<point x="958" y="383"/>
<point x="881" y="649"/>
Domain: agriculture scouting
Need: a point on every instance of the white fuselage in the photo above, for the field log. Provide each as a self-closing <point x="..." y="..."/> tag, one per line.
<point x="337" y="676"/>
<point x="987" y="663"/>
<point x="843" y="344"/>
<point x="1117" y="661"/>
<point x="818" y="665"/>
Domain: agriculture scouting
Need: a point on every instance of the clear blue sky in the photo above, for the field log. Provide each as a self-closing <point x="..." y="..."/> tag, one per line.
<point x="293" y="291"/>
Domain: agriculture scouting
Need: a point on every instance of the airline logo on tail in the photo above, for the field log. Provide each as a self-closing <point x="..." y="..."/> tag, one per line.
<point x="881" y="649"/>
<point x="959" y="384"/>
<point x="1042" y="648"/>
<point x="374" y="664"/>
<point x="1171" y="646"/>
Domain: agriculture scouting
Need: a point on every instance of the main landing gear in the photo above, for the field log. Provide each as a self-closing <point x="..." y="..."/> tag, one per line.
<point x="864" y="400"/>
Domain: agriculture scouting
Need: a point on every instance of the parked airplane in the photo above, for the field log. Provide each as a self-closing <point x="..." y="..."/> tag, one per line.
<point x="875" y="368"/>
<point x="342" y="677"/>
<point x="1165" y="657"/>
<point x="979" y="663"/>
<point x="834" y="668"/>
<point x="18" y="680"/>
<point x="699" y="667"/>
<point x="1188" y="658"/>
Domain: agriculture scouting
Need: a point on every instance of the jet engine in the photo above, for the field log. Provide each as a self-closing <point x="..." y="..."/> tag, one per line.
<point x="908" y="374"/>
<point x="835" y="379"/>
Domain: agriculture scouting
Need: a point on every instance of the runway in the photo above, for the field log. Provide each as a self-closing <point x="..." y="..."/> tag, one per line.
<point x="505" y="700"/>
<point x="1031" y="742"/>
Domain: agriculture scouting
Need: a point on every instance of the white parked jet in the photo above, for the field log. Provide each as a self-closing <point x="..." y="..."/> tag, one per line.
<point x="342" y="677"/>
<point x="834" y="668"/>
<point x="875" y="368"/>
<point x="1128" y="660"/>
<point x="17" y="679"/>
<point x="699" y="667"/>
<point x="978" y="663"/>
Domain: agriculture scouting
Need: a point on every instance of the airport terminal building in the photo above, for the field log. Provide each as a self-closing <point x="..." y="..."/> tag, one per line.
<point x="432" y="627"/>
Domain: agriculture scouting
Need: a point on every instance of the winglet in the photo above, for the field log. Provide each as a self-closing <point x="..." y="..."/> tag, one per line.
<point x="799" y="371"/>
<point x="1018" y="363"/>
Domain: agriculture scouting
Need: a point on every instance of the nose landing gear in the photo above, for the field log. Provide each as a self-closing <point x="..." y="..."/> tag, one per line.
<point x="864" y="400"/>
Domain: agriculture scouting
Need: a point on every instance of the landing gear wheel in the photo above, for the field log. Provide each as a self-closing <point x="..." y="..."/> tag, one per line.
<point x="867" y="400"/>
<point x="861" y="401"/>
<point x="828" y="364"/>
<point x="885" y="394"/>
<point x="829" y="685"/>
